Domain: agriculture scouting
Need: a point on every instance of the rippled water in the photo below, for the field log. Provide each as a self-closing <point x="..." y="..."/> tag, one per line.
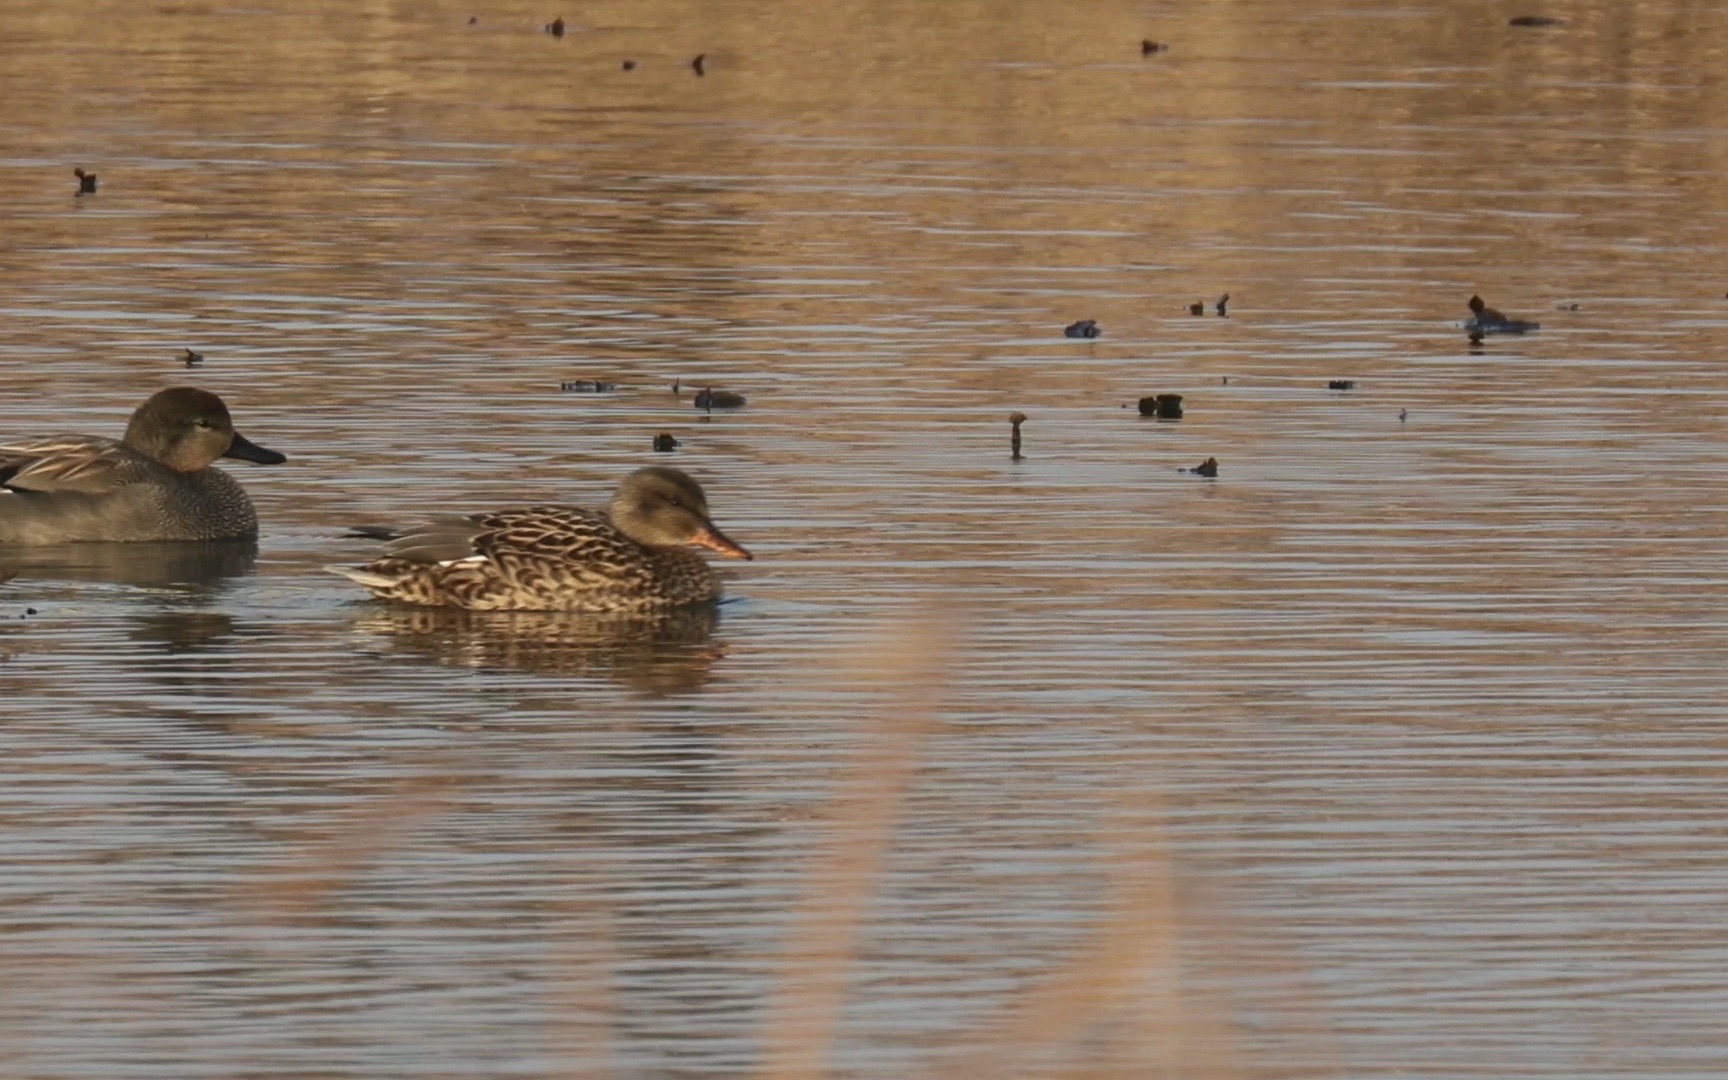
<point x="1395" y="750"/>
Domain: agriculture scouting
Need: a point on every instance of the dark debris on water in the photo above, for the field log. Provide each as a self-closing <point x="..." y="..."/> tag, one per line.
<point x="1162" y="406"/>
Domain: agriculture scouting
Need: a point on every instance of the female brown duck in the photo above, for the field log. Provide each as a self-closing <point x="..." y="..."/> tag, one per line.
<point x="561" y="558"/>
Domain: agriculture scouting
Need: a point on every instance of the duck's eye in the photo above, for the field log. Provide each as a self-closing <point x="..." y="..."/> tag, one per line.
<point x="201" y="424"/>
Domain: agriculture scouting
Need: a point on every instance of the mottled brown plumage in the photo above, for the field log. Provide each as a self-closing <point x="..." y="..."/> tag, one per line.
<point x="561" y="558"/>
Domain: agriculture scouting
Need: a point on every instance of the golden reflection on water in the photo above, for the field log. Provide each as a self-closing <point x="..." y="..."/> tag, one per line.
<point x="662" y="653"/>
<point x="1392" y="750"/>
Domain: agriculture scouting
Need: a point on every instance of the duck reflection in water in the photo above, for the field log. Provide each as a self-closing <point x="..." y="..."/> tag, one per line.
<point x="657" y="653"/>
<point x="177" y="632"/>
<point x="178" y="562"/>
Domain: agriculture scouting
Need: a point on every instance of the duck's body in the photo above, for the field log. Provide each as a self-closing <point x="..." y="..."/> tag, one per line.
<point x="711" y="399"/>
<point x="1486" y="320"/>
<point x="561" y="558"/>
<point x="154" y="484"/>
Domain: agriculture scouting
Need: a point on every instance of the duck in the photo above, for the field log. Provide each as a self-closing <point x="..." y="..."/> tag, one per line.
<point x="1085" y="328"/>
<point x="711" y="399"/>
<point x="154" y="483"/>
<point x="1487" y="320"/>
<point x="633" y="557"/>
<point x="86" y="181"/>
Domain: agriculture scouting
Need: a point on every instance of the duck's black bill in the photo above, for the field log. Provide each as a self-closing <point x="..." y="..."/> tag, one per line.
<point x="247" y="450"/>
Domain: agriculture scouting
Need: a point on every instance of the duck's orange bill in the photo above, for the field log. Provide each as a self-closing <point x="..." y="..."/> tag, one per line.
<point x="715" y="540"/>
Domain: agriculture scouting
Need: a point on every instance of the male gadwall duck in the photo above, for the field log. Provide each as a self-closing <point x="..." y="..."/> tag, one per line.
<point x="156" y="483"/>
<point x="631" y="558"/>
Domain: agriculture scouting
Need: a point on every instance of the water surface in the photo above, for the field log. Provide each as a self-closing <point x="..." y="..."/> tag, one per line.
<point x="1395" y="750"/>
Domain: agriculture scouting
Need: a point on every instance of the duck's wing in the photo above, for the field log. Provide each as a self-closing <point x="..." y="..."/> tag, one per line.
<point x="549" y="532"/>
<point x="566" y="534"/>
<point x="68" y="463"/>
<point x="444" y="538"/>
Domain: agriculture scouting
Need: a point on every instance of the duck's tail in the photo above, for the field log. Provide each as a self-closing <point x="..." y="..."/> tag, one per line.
<point x="366" y="576"/>
<point x="372" y="532"/>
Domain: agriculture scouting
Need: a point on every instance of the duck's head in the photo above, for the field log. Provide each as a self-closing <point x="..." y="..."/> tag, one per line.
<point x="186" y="429"/>
<point x="1477" y="304"/>
<point x="663" y="507"/>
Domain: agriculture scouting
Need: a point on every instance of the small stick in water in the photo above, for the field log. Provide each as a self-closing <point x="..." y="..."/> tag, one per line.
<point x="1015" y="420"/>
